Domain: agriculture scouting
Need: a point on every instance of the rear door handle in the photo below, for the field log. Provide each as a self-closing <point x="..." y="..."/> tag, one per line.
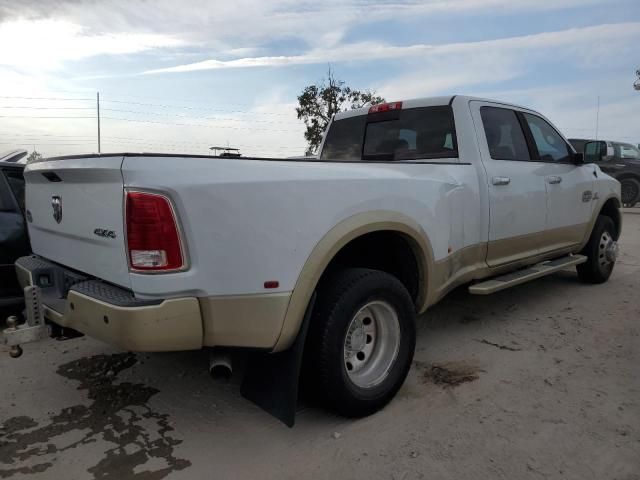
<point x="554" y="179"/>
<point x="500" y="180"/>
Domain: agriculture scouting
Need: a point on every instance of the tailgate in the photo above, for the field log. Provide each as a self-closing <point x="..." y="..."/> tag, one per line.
<point x="75" y="208"/>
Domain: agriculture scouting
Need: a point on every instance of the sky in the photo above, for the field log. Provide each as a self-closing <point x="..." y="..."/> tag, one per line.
<point x="181" y="76"/>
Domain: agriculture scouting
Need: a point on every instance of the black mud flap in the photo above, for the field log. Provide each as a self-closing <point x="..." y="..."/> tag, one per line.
<point x="271" y="380"/>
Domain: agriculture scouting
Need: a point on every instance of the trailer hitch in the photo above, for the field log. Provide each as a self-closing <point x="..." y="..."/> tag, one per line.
<point x="32" y="330"/>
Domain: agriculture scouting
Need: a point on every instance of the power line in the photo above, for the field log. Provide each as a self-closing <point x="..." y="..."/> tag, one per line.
<point x="45" y="135"/>
<point x="193" y="108"/>
<point x="225" y="119"/>
<point x="17" y="107"/>
<point x="37" y="116"/>
<point x="196" y="125"/>
<point x="160" y="105"/>
<point x="46" y="98"/>
<point x="41" y="143"/>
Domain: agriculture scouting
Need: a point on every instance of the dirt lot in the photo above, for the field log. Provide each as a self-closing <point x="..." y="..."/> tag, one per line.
<point x="541" y="381"/>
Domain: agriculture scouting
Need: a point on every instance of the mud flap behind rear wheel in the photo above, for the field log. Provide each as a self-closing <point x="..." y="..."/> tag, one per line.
<point x="271" y="380"/>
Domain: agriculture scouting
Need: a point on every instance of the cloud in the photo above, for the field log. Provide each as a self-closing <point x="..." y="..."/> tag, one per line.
<point x="366" y="51"/>
<point x="47" y="44"/>
<point x="223" y="25"/>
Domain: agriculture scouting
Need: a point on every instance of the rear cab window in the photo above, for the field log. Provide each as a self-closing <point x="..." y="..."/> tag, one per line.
<point x="505" y="138"/>
<point x="424" y="133"/>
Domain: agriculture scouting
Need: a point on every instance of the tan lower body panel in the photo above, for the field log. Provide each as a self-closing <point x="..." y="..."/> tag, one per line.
<point x="244" y="320"/>
<point x="175" y="324"/>
<point x="512" y="249"/>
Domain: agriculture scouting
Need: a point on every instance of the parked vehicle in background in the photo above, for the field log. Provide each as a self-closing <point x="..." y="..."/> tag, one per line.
<point x="622" y="162"/>
<point x="406" y="201"/>
<point x="14" y="242"/>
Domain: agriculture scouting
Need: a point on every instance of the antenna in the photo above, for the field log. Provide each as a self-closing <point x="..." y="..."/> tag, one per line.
<point x="98" y="109"/>
<point x="597" y="117"/>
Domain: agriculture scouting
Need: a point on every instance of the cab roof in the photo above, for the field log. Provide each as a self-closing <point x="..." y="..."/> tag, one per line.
<point x="426" y="102"/>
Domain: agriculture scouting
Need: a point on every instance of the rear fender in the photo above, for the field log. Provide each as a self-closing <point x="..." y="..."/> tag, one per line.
<point x="333" y="242"/>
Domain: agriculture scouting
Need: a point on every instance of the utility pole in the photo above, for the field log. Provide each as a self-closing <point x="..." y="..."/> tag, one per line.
<point x="98" y="107"/>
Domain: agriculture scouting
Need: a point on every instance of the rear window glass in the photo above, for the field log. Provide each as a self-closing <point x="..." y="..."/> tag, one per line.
<point x="344" y="139"/>
<point x="413" y="134"/>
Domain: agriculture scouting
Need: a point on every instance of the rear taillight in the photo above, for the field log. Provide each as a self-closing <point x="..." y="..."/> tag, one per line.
<point x="153" y="239"/>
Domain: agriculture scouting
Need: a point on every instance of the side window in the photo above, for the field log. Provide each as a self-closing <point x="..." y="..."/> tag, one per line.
<point x="551" y="146"/>
<point x="505" y="138"/>
<point x="625" y="151"/>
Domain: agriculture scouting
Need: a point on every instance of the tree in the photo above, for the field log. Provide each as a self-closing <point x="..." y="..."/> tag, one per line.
<point x="318" y="103"/>
<point x="33" y="156"/>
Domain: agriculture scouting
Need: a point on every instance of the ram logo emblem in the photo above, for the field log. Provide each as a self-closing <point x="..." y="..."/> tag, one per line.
<point x="56" y="204"/>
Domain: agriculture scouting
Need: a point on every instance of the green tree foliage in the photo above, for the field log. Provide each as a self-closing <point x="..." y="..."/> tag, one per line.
<point x="318" y="103"/>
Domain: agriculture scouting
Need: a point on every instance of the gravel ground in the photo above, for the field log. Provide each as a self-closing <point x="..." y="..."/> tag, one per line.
<point x="540" y="381"/>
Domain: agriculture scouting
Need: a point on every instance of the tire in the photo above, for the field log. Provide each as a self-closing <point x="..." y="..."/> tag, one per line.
<point x="630" y="188"/>
<point x="598" y="267"/>
<point x="369" y="315"/>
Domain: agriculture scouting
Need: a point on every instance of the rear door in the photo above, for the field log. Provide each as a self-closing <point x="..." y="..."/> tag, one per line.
<point x="569" y="186"/>
<point x="76" y="212"/>
<point x="517" y="192"/>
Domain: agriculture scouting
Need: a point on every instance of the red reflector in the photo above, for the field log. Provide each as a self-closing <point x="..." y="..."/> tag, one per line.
<point x="385" y="107"/>
<point x="153" y="240"/>
<point x="271" y="284"/>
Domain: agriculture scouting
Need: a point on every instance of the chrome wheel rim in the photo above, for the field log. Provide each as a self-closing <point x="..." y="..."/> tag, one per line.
<point x="607" y="250"/>
<point x="371" y="344"/>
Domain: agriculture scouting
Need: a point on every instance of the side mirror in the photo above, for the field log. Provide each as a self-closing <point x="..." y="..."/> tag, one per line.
<point x="594" y="151"/>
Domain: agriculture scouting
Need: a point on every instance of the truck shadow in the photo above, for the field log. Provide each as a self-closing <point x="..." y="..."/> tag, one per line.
<point x="124" y="410"/>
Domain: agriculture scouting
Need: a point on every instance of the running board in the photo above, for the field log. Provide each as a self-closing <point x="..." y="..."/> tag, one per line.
<point x="521" y="276"/>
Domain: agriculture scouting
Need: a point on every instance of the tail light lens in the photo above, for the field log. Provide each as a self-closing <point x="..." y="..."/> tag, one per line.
<point x="153" y="239"/>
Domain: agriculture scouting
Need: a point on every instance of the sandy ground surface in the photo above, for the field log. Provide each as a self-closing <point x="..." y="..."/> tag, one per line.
<point x="549" y="388"/>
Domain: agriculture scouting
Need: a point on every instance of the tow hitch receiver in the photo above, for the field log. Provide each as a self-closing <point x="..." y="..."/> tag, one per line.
<point x="32" y="330"/>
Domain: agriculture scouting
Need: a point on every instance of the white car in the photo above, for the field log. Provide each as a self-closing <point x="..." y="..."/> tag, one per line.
<point x="406" y="200"/>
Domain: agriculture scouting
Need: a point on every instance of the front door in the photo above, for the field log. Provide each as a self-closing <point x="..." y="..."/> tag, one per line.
<point x="569" y="186"/>
<point x="517" y="189"/>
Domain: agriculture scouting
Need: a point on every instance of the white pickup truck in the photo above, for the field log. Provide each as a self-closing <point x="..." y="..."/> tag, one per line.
<point x="336" y="254"/>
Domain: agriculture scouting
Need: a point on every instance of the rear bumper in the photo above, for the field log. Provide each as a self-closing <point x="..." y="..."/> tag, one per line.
<point x="110" y="313"/>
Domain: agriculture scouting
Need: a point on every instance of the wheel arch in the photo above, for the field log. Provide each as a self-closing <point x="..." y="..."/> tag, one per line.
<point x="335" y="241"/>
<point x="611" y="208"/>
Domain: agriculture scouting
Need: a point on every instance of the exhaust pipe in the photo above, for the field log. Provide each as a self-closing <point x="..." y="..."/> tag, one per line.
<point x="220" y="366"/>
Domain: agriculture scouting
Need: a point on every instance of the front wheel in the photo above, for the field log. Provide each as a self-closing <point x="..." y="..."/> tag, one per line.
<point x="601" y="251"/>
<point x="361" y="340"/>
